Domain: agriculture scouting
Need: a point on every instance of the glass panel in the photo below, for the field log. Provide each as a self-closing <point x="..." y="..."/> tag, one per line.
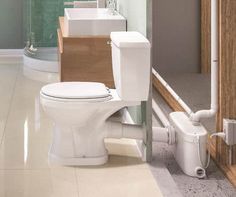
<point x="40" y="25"/>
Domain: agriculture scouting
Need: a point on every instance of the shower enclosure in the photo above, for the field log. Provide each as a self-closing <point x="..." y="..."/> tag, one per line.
<point x="40" y="25"/>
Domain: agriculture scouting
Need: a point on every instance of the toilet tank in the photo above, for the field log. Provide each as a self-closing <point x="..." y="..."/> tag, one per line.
<point x="131" y="65"/>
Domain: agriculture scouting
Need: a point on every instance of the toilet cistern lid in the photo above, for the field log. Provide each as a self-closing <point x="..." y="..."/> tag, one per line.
<point x="130" y="39"/>
<point x="76" y="90"/>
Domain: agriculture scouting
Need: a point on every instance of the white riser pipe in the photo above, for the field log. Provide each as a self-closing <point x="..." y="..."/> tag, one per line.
<point x="196" y="117"/>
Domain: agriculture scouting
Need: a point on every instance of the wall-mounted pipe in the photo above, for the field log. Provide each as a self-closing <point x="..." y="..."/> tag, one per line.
<point x="196" y="117"/>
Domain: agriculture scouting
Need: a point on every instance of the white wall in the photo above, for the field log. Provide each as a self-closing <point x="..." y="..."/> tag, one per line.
<point x="135" y="12"/>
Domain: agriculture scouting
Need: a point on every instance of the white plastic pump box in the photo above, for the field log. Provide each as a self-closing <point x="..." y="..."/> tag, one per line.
<point x="190" y="147"/>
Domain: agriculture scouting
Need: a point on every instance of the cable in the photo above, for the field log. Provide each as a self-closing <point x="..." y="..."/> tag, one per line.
<point x="219" y="134"/>
<point x="199" y="155"/>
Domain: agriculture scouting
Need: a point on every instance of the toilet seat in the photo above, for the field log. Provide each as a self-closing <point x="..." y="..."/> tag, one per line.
<point x="76" y="91"/>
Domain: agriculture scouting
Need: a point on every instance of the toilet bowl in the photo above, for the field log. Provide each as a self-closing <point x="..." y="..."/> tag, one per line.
<point x="81" y="110"/>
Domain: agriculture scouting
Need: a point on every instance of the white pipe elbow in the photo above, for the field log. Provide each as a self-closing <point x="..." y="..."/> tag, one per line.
<point x="196" y="117"/>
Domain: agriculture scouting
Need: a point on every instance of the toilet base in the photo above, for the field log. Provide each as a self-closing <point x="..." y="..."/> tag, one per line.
<point x="78" y="161"/>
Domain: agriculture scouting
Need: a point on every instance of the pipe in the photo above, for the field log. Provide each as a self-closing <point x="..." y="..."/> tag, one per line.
<point x="118" y="130"/>
<point x="196" y="117"/>
<point x="160" y="134"/>
<point x="172" y="92"/>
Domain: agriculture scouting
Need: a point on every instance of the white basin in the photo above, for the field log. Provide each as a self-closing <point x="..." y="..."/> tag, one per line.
<point x="92" y="22"/>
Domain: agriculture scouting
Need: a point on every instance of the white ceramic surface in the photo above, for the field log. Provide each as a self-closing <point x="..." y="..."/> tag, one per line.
<point x="81" y="122"/>
<point x="131" y="65"/>
<point x="92" y="22"/>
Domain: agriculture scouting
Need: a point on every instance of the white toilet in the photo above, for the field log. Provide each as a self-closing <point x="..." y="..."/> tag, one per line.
<point x="80" y="110"/>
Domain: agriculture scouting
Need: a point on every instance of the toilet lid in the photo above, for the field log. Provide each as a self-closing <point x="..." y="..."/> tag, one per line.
<point x="76" y="90"/>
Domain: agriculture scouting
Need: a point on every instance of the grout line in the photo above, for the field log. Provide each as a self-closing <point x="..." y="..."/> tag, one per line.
<point x="77" y="182"/>
<point x="10" y="106"/>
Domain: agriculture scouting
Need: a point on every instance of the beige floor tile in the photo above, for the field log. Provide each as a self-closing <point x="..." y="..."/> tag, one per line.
<point x="38" y="183"/>
<point x="24" y="153"/>
<point x="37" y="127"/>
<point x="8" y="77"/>
<point x="116" y="182"/>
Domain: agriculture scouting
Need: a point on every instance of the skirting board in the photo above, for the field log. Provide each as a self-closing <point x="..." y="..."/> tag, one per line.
<point x="11" y="52"/>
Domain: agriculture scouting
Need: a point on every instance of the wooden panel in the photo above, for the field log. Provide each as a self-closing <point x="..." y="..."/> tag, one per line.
<point x="60" y="41"/>
<point x="227" y="92"/>
<point x="227" y="82"/>
<point x="205" y="36"/>
<point x="166" y="95"/>
<point x="60" y="49"/>
<point x="61" y="26"/>
<point x="86" y="58"/>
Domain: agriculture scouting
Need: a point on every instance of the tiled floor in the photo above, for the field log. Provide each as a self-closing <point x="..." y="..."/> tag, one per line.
<point x="25" y="136"/>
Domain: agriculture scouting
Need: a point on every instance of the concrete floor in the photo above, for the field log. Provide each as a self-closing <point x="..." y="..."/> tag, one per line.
<point x="196" y="93"/>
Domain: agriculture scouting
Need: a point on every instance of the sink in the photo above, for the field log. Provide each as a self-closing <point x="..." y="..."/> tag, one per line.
<point x="92" y="22"/>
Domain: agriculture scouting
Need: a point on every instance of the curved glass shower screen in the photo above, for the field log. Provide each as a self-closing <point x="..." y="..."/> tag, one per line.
<point x="40" y="22"/>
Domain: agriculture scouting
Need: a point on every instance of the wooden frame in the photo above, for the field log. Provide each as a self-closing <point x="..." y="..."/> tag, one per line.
<point x="84" y="58"/>
<point x="205" y="36"/>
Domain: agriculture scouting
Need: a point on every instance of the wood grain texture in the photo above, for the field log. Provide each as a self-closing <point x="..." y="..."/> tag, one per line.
<point x="227" y="82"/>
<point x="85" y="58"/>
<point x="205" y="36"/>
<point x="172" y="102"/>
